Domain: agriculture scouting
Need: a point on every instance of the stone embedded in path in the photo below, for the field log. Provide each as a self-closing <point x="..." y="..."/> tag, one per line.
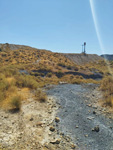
<point x="96" y="129"/>
<point x="31" y="119"/>
<point x="56" y="141"/>
<point x="52" y="129"/>
<point x="57" y="119"/>
<point x="90" y="118"/>
<point x="94" y="112"/>
<point x="73" y="146"/>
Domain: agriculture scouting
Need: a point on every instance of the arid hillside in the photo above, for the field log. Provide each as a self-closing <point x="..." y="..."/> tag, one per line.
<point x="28" y="112"/>
<point x="82" y="58"/>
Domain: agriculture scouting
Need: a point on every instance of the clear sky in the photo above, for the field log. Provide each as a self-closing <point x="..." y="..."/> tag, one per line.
<point x="58" y="25"/>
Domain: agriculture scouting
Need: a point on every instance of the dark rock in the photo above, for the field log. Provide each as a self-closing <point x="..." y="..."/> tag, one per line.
<point x="96" y="129"/>
<point x="31" y="119"/>
<point x="57" y="119"/>
<point x="56" y="141"/>
<point x="94" y="112"/>
<point x="52" y="129"/>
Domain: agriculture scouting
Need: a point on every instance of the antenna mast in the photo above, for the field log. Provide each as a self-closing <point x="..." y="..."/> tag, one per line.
<point x="84" y="47"/>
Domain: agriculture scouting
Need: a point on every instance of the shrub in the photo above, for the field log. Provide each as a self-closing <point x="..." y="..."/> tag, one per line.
<point x="26" y="81"/>
<point x="59" y="74"/>
<point x="4" y="85"/>
<point x="61" y="64"/>
<point x="16" y="102"/>
<point x="40" y="96"/>
<point x="69" y="67"/>
<point x="49" y="74"/>
<point x="107" y="88"/>
<point x="76" y="81"/>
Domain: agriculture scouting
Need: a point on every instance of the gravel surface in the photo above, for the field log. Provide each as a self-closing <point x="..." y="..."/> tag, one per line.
<point x="80" y="117"/>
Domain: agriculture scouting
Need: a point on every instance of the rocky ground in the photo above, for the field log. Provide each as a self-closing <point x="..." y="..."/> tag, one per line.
<point x="71" y="118"/>
<point x="32" y="127"/>
<point x="82" y="116"/>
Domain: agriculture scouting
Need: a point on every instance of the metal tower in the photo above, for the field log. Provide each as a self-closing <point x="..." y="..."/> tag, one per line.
<point x="84" y="47"/>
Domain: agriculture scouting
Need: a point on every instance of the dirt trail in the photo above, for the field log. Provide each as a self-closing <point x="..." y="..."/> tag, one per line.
<point x="30" y="128"/>
<point x="81" y="118"/>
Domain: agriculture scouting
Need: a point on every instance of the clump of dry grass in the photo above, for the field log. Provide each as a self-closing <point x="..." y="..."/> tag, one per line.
<point x="15" y="103"/>
<point x="4" y="85"/>
<point x="40" y="96"/>
<point x="26" y="81"/>
<point x="107" y="88"/>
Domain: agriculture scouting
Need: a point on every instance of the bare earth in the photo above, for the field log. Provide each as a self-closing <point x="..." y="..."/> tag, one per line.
<point x="30" y="128"/>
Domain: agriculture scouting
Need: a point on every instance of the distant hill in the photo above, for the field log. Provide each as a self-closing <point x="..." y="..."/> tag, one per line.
<point x="78" y="59"/>
<point x="83" y="58"/>
<point x="7" y="46"/>
<point x="108" y="57"/>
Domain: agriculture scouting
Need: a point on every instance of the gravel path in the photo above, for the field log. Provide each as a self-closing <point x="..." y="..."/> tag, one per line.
<point x="80" y="117"/>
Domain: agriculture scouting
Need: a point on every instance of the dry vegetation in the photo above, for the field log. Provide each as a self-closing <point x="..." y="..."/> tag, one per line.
<point x="32" y="68"/>
<point x="107" y="88"/>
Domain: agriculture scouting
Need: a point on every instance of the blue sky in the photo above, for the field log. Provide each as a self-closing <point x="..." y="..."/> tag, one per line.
<point x="58" y="25"/>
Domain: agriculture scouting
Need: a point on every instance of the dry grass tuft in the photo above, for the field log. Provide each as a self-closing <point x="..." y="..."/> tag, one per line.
<point x="107" y="88"/>
<point x="15" y="103"/>
<point x="41" y="96"/>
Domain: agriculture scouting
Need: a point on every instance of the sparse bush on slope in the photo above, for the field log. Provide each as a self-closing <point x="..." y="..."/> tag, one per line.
<point x="40" y="96"/>
<point x="107" y="88"/>
<point x="15" y="102"/>
<point x="26" y="81"/>
<point x="4" y="85"/>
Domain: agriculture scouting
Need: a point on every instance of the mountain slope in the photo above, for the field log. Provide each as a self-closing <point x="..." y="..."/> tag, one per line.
<point x="83" y="58"/>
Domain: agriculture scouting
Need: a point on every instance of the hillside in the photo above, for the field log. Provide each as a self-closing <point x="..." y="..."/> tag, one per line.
<point x="81" y="59"/>
<point x="7" y="46"/>
<point x="28" y="114"/>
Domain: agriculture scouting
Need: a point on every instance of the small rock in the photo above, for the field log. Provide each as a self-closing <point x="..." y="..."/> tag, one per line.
<point x="77" y="126"/>
<point x="110" y="117"/>
<point x="39" y="124"/>
<point x="73" y="146"/>
<point x="96" y="129"/>
<point x="57" y="141"/>
<point x="31" y="119"/>
<point x="57" y="119"/>
<point x="86" y="135"/>
<point x="89" y="105"/>
<point x="90" y="118"/>
<point x="89" y="111"/>
<point x="52" y="129"/>
<point x="6" y="116"/>
<point x="94" y="112"/>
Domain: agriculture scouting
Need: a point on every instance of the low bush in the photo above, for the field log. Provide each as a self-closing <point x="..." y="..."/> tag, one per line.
<point x="49" y="74"/>
<point x="59" y="74"/>
<point x="107" y="88"/>
<point x="4" y="85"/>
<point x="40" y="96"/>
<point x="26" y="81"/>
<point x="15" y="102"/>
